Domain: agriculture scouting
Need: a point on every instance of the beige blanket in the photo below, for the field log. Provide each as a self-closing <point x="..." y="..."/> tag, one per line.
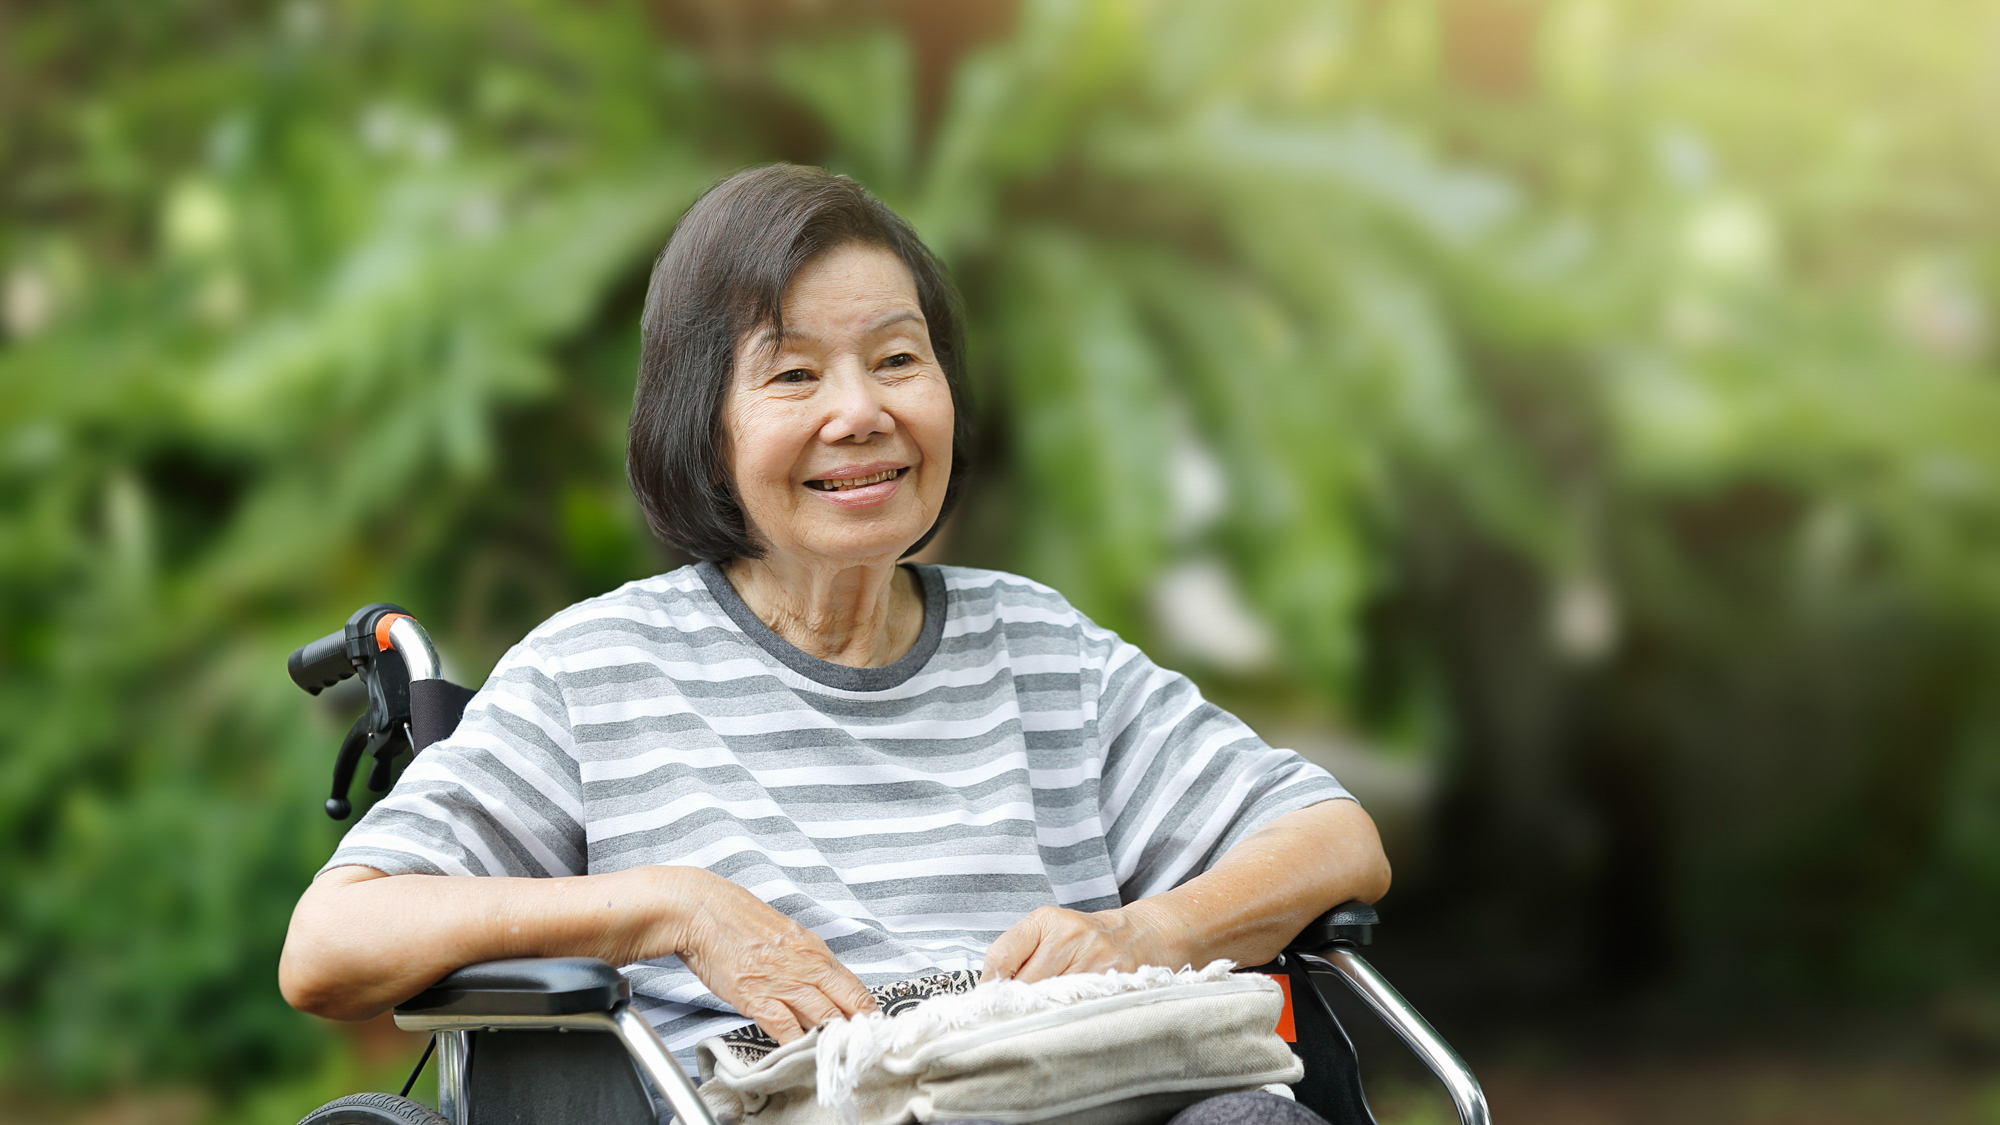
<point x="1085" y="1049"/>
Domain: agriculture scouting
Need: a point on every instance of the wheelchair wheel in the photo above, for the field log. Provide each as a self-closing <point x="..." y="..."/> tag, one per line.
<point x="373" y="1109"/>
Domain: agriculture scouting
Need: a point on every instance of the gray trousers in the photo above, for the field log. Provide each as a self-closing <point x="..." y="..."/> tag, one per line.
<point x="1250" y="1107"/>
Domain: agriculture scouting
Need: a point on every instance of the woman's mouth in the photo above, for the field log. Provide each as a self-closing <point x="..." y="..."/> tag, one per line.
<point x="851" y="483"/>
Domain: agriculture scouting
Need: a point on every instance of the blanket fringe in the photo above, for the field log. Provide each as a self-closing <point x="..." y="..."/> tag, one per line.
<point x="848" y="1047"/>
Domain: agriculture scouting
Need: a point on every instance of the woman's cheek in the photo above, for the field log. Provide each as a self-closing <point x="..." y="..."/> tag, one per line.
<point x="767" y="456"/>
<point x="937" y="415"/>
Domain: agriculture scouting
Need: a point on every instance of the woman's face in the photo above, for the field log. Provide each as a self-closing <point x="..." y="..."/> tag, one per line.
<point x="839" y="433"/>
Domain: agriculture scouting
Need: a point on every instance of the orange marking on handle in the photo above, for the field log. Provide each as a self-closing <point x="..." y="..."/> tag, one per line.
<point x="1286" y="1029"/>
<point x="382" y="642"/>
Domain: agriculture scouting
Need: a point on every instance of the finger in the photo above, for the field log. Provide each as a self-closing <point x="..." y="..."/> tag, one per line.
<point x="1062" y="943"/>
<point x="1033" y="935"/>
<point x="1052" y="958"/>
<point x="1011" y="950"/>
<point x="1061" y="937"/>
<point x="819" y="969"/>
<point x="812" y="1008"/>
<point x="775" y="1018"/>
<point x="847" y="992"/>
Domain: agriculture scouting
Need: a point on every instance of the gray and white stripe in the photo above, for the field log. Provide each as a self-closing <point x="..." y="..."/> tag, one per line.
<point x="1018" y="756"/>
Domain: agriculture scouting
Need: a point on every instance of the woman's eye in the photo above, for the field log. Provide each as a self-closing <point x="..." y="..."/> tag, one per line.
<point x="900" y="359"/>
<point x="795" y="375"/>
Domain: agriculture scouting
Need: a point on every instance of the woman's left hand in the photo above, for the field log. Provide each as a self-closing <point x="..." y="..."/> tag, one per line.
<point x="1256" y="898"/>
<point x="1052" y="941"/>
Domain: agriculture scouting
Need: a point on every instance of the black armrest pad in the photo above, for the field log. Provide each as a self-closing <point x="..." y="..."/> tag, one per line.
<point x="1352" y="922"/>
<point x="533" y="986"/>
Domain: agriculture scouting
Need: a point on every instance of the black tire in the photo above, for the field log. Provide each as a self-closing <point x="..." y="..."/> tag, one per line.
<point x="373" y="1109"/>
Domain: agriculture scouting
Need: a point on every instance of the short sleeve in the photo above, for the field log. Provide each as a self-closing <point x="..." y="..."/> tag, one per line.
<point x="1183" y="779"/>
<point x="501" y="796"/>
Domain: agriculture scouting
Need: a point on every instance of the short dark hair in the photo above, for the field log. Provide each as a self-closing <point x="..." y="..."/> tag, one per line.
<point x="723" y="274"/>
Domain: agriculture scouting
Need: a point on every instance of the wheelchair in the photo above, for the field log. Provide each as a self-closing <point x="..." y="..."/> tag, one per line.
<point x="555" y="1041"/>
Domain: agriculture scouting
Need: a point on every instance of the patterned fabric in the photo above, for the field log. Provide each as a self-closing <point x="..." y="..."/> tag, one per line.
<point x="749" y="1043"/>
<point x="1018" y="756"/>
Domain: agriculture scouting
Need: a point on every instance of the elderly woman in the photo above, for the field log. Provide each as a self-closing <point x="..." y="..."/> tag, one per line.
<point x="803" y="767"/>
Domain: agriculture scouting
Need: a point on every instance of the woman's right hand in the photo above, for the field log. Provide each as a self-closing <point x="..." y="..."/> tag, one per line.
<point x="763" y="964"/>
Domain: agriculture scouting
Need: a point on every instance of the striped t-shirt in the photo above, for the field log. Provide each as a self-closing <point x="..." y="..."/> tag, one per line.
<point x="1018" y="756"/>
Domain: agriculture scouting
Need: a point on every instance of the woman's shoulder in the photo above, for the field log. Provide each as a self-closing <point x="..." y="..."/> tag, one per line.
<point x="971" y="584"/>
<point x="1011" y="599"/>
<point x="656" y="608"/>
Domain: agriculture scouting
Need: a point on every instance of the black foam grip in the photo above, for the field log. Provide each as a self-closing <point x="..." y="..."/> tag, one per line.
<point x="436" y="706"/>
<point x="321" y="664"/>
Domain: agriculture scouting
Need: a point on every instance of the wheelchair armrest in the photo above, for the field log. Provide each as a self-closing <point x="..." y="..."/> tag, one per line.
<point x="1351" y="923"/>
<point x="532" y="986"/>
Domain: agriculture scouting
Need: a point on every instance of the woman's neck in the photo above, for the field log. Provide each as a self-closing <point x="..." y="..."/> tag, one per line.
<point x="861" y="615"/>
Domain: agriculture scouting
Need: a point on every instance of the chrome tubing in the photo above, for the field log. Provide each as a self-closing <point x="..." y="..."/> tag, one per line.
<point x="646" y="1049"/>
<point x="1415" y="1030"/>
<point x="451" y="1055"/>
<point x="419" y="655"/>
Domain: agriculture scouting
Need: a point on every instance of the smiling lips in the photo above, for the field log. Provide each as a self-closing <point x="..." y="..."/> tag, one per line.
<point x="828" y="485"/>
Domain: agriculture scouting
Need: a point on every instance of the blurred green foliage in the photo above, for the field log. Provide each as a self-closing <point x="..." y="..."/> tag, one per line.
<point x="1596" y="397"/>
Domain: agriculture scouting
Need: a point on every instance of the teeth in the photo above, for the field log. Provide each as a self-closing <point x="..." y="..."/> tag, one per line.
<point x="857" y="482"/>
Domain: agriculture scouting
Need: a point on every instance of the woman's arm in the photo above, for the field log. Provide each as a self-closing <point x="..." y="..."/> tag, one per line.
<point x="362" y="941"/>
<point x="1245" y="908"/>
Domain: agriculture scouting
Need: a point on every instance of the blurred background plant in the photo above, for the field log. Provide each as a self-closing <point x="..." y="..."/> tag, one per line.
<point x="1576" y="421"/>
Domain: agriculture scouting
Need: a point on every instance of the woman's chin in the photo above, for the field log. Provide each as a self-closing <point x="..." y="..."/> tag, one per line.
<point x="859" y="541"/>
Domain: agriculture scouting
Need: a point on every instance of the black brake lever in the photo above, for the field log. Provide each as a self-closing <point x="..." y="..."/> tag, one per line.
<point x="351" y="747"/>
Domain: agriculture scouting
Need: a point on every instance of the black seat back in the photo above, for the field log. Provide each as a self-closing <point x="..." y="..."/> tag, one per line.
<point x="436" y="706"/>
<point x="547" y="1077"/>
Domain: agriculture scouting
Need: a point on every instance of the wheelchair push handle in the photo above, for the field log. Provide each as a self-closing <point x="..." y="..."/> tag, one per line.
<point x="397" y="664"/>
<point x="374" y="629"/>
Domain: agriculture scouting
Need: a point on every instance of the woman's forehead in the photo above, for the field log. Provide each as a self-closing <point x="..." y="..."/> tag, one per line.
<point x="851" y="291"/>
<point x="849" y="274"/>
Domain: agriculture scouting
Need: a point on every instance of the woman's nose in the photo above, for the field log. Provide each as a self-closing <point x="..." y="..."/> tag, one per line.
<point x="857" y="409"/>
